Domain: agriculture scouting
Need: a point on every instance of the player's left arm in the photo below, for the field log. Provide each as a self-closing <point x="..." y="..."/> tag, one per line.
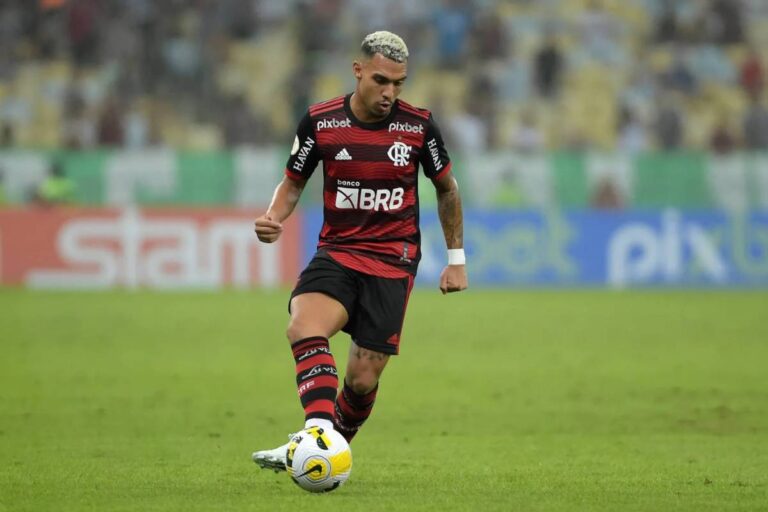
<point x="453" y="278"/>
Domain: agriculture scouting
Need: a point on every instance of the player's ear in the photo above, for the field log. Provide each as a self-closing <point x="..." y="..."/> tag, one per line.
<point x="357" y="69"/>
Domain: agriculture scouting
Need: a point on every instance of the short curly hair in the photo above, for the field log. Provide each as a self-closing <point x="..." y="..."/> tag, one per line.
<point x="387" y="44"/>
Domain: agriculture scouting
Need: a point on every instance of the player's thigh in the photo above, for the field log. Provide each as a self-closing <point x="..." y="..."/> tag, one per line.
<point x="322" y="301"/>
<point x="379" y="313"/>
<point x="315" y="314"/>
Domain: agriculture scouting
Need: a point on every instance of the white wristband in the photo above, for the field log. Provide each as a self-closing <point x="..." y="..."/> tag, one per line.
<point x="456" y="257"/>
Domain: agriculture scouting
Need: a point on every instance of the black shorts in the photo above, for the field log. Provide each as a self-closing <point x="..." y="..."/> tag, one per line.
<point x="375" y="305"/>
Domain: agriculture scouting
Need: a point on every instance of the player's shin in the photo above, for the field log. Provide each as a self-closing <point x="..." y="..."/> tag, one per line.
<point x="316" y="379"/>
<point x="352" y="410"/>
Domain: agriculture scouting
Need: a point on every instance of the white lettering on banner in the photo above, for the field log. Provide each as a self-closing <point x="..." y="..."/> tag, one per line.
<point x="639" y="253"/>
<point x="132" y="251"/>
<point x="153" y="172"/>
<point x="626" y="249"/>
<point x="514" y="252"/>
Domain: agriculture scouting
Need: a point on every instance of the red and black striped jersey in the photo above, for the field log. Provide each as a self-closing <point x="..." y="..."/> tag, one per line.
<point x="370" y="172"/>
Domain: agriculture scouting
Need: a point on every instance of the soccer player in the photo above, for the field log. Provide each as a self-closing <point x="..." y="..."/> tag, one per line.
<point x="371" y="145"/>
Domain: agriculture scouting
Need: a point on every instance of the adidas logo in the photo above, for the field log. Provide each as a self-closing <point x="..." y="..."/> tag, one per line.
<point x="343" y="155"/>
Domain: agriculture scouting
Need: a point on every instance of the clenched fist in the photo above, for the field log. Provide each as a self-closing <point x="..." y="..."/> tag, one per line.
<point x="267" y="229"/>
<point x="453" y="279"/>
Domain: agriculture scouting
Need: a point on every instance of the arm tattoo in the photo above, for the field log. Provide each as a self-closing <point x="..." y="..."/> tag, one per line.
<point x="451" y="218"/>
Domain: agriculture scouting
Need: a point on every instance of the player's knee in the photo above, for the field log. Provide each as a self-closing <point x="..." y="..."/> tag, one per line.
<point x="296" y="330"/>
<point x="301" y="327"/>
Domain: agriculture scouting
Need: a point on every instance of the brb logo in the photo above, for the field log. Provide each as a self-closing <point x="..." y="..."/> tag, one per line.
<point x="399" y="153"/>
<point x="357" y="198"/>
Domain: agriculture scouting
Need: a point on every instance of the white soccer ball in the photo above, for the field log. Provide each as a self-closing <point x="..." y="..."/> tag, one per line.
<point x="318" y="459"/>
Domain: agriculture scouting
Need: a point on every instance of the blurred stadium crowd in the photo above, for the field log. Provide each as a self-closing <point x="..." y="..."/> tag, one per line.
<point x="528" y="75"/>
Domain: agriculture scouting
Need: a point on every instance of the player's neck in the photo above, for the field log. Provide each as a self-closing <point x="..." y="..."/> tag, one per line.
<point x="360" y="112"/>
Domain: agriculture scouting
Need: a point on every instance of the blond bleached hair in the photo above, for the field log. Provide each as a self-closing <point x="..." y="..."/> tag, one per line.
<point x="387" y="44"/>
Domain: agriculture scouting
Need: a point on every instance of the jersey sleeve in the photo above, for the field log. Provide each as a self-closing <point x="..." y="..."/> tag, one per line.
<point x="434" y="156"/>
<point x="304" y="153"/>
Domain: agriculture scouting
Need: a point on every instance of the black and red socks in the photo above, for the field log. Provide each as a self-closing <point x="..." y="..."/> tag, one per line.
<point x="316" y="377"/>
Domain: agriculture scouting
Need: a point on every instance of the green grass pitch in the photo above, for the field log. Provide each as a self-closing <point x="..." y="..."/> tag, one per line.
<point x="524" y="400"/>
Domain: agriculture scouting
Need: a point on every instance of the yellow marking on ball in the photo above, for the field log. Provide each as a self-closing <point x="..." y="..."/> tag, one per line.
<point x="341" y="462"/>
<point x="319" y="433"/>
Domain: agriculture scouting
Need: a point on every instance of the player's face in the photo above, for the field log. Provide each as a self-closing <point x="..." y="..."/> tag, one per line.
<point x="379" y="83"/>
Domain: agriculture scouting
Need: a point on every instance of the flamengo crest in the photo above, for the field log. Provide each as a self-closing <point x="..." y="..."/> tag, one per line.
<point x="399" y="153"/>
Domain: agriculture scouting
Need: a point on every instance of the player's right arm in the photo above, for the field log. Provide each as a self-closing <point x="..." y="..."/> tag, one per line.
<point x="269" y="226"/>
<point x="300" y="166"/>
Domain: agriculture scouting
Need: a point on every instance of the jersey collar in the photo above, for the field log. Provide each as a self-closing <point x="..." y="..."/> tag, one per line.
<point x="378" y="125"/>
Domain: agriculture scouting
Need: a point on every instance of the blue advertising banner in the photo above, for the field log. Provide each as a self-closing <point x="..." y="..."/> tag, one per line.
<point x="619" y="249"/>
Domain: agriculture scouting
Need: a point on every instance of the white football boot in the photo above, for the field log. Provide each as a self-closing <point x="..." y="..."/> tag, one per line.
<point x="273" y="459"/>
